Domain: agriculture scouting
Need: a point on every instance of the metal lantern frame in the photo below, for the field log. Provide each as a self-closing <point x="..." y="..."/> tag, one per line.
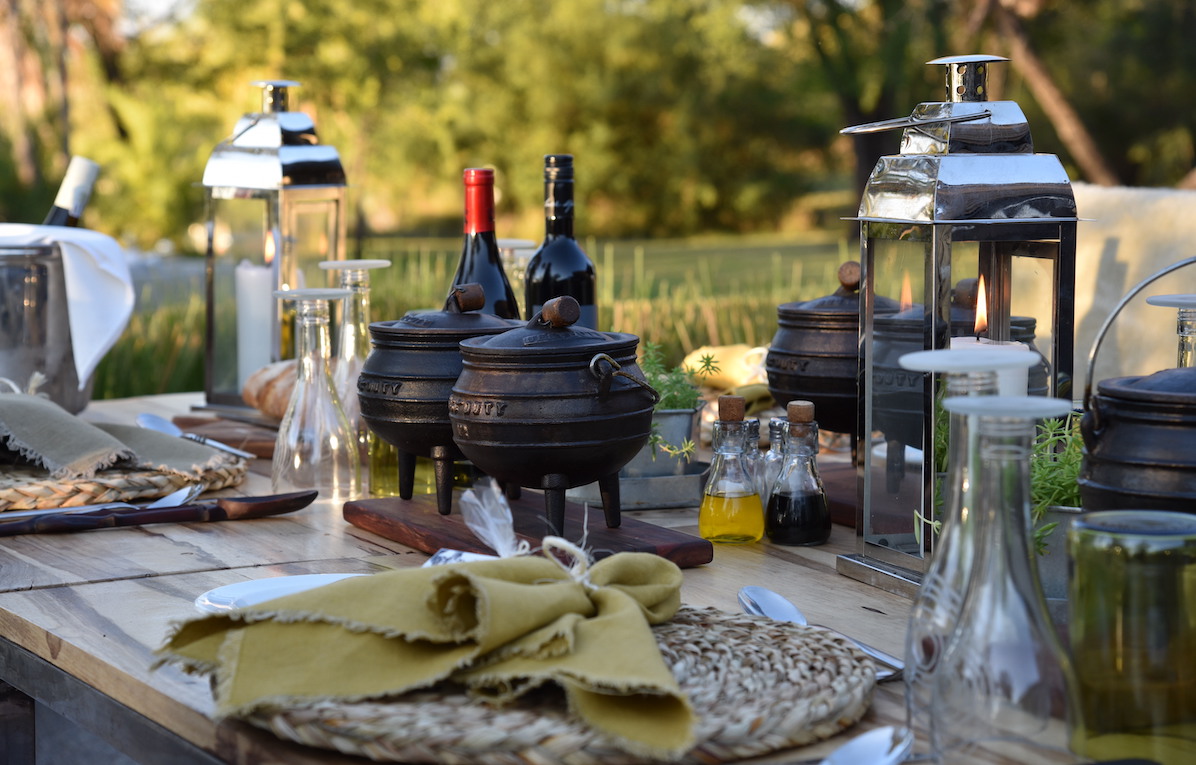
<point x="275" y="207"/>
<point x="966" y="198"/>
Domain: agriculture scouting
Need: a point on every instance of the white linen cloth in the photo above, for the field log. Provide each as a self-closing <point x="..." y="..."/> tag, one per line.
<point x="99" y="287"/>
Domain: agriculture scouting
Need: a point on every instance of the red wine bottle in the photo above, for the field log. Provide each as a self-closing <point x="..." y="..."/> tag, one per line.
<point x="74" y="193"/>
<point x="560" y="266"/>
<point x="480" y="262"/>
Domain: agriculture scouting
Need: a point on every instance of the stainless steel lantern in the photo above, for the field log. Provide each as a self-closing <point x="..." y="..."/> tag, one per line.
<point x="275" y="208"/>
<point x="975" y="235"/>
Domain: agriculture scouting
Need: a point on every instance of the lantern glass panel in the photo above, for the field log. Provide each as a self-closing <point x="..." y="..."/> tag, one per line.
<point x="893" y="476"/>
<point x="311" y="236"/>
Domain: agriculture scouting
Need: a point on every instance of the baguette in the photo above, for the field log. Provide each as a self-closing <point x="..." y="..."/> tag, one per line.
<point x="269" y="389"/>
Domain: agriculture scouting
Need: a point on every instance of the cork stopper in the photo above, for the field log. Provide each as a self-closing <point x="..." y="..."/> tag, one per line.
<point x="730" y="408"/>
<point x="800" y="411"/>
<point x="849" y="276"/>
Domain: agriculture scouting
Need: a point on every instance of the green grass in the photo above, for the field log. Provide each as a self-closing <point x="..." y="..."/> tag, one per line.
<point x="679" y="294"/>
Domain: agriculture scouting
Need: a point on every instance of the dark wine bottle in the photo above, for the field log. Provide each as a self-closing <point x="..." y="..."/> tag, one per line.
<point x="73" y="193"/>
<point x="560" y="266"/>
<point x="480" y="261"/>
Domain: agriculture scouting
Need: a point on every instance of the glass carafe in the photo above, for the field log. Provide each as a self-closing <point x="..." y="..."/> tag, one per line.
<point x="352" y="348"/>
<point x="1004" y="685"/>
<point x="939" y="600"/>
<point x="1185" y="326"/>
<point x="316" y="446"/>
<point x="797" y="510"/>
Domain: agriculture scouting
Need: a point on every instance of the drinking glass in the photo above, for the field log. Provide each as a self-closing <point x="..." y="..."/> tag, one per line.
<point x="1132" y="629"/>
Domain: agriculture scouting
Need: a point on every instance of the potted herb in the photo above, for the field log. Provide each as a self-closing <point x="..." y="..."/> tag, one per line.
<point x="675" y="417"/>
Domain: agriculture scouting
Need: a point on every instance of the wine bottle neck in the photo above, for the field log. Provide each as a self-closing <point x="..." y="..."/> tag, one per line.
<point x="479" y="205"/>
<point x="558" y="207"/>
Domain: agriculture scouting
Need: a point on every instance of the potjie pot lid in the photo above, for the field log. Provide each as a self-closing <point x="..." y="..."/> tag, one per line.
<point x="460" y="316"/>
<point x="1172" y="386"/>
<point x="551" y="330"/>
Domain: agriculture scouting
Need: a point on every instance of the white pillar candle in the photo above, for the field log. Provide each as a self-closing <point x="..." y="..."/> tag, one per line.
<point x="255" y="315"/>
<point x="1013" y="381"/>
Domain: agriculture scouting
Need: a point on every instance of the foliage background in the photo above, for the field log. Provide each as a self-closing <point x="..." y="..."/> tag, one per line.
<point x="686" y="116"/>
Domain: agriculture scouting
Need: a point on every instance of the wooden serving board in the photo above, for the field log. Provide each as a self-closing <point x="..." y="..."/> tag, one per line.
<point x="416" y="523"/>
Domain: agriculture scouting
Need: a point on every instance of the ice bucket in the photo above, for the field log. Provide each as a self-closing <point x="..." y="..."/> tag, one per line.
<point x="35" y="334"/>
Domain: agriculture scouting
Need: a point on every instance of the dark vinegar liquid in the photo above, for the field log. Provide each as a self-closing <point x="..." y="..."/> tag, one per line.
<point x="798" y="519"/>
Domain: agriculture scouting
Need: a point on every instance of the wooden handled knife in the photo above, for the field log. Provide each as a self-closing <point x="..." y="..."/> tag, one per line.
<point x="222" y="509"/>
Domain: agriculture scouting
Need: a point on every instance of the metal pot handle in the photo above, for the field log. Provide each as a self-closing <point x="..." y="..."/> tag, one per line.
<point x="605" y="376"/>
<point x="1100" y="335"/>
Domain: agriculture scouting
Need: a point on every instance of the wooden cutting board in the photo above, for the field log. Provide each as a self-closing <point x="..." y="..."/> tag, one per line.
<point x="416" y="523"/>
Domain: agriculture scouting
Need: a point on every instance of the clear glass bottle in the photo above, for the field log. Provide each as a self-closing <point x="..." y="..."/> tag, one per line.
<point x="731" y="511"/>
<point x="798" y="513"/>
<point x="1004" y="685"/>
<point x="316" y="447"/>
<point x="938" y="601"/>
<point x="353" y="346"/>
<point x="754" y="455"/>
<point x="1185" y="327"/>
<point x="770" y="466"/>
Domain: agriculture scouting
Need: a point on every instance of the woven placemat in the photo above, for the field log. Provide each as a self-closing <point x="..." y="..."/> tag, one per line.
<point x="757" y="685"/>
<point x="25" y="488"/>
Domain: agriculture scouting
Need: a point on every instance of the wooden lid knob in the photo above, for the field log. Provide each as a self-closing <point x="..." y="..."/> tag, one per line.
<point x="800" y="411"/>
<point x="561" y="311"/>
<point x="730" y="408"/>
<point x="468" y="297"/>
<point x="849" y="275"/>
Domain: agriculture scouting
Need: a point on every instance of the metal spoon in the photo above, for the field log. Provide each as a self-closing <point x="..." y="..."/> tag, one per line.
<point x="765" y="602"/>
<point x="163" y="425"/>
<point x="887" y="745"/>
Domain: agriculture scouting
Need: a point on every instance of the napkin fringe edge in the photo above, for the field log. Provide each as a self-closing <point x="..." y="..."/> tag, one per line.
<point x="94" y="464"/>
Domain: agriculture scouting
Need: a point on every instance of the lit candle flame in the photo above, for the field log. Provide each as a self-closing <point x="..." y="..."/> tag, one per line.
<point x="907" y="292"/>
<point x="981" y="309"/>
<point x="269" y="248"/>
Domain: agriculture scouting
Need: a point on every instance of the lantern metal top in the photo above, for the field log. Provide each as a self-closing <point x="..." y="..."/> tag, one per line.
<point x="272" y="149"/>
<point x="966" y="160"/>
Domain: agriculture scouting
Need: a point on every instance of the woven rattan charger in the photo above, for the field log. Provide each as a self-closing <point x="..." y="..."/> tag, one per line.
<point x="758" y="686"/>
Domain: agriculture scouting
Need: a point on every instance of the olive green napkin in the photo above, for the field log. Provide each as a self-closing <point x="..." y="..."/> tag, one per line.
<point x="499" y="627"/>
<point x="38" y="431"/>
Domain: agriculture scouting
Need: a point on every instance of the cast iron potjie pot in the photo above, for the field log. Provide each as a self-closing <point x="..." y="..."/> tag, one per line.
<point x="814" y="354"/>
<point x="406" y="380"/>
<point x="1140" y="443"/>
<point x="551" y="406"/>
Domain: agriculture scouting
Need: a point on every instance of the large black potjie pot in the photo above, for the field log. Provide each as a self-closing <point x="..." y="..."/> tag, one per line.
<point x="551" y="406"/>
<point x="814" y="354"/>
<point x="406" y="380"/>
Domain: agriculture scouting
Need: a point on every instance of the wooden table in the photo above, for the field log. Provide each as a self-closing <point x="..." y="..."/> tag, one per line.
<point x="82" y="614"/>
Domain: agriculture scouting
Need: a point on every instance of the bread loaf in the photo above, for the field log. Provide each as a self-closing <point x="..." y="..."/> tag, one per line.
<point x="269" y="389"/>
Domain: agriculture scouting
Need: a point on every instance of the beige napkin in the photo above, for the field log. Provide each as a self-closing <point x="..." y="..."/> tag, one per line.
<point x="499" y="627"/>
<point x="47" y="436"/>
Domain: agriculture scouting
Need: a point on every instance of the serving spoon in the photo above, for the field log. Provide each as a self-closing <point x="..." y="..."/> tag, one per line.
<point x="764" y="602"/>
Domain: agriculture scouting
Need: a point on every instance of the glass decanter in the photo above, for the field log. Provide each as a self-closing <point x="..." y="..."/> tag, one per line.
<point x="352" y="348"/>
<point x="1185" y="327"/>
<point x="731" y="511"/>
<point x="798" y="513"/>
<point x="1003" y="686"/>
<point x="316" y="446"/>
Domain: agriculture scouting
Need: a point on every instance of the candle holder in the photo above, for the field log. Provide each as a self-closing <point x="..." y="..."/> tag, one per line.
<point x="274" y="208"/>
<point x="966" y="222"/>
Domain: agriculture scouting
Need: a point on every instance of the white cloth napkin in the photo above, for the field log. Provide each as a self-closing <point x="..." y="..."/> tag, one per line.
<point x="99" y="288"/>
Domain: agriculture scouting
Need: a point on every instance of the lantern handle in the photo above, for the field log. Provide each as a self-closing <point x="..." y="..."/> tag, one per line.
<point x="1100" y="335"/>
<point x="911" y="121"/>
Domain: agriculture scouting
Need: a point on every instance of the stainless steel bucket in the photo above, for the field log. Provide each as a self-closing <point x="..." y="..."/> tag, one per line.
<point x="35" y="333"/>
